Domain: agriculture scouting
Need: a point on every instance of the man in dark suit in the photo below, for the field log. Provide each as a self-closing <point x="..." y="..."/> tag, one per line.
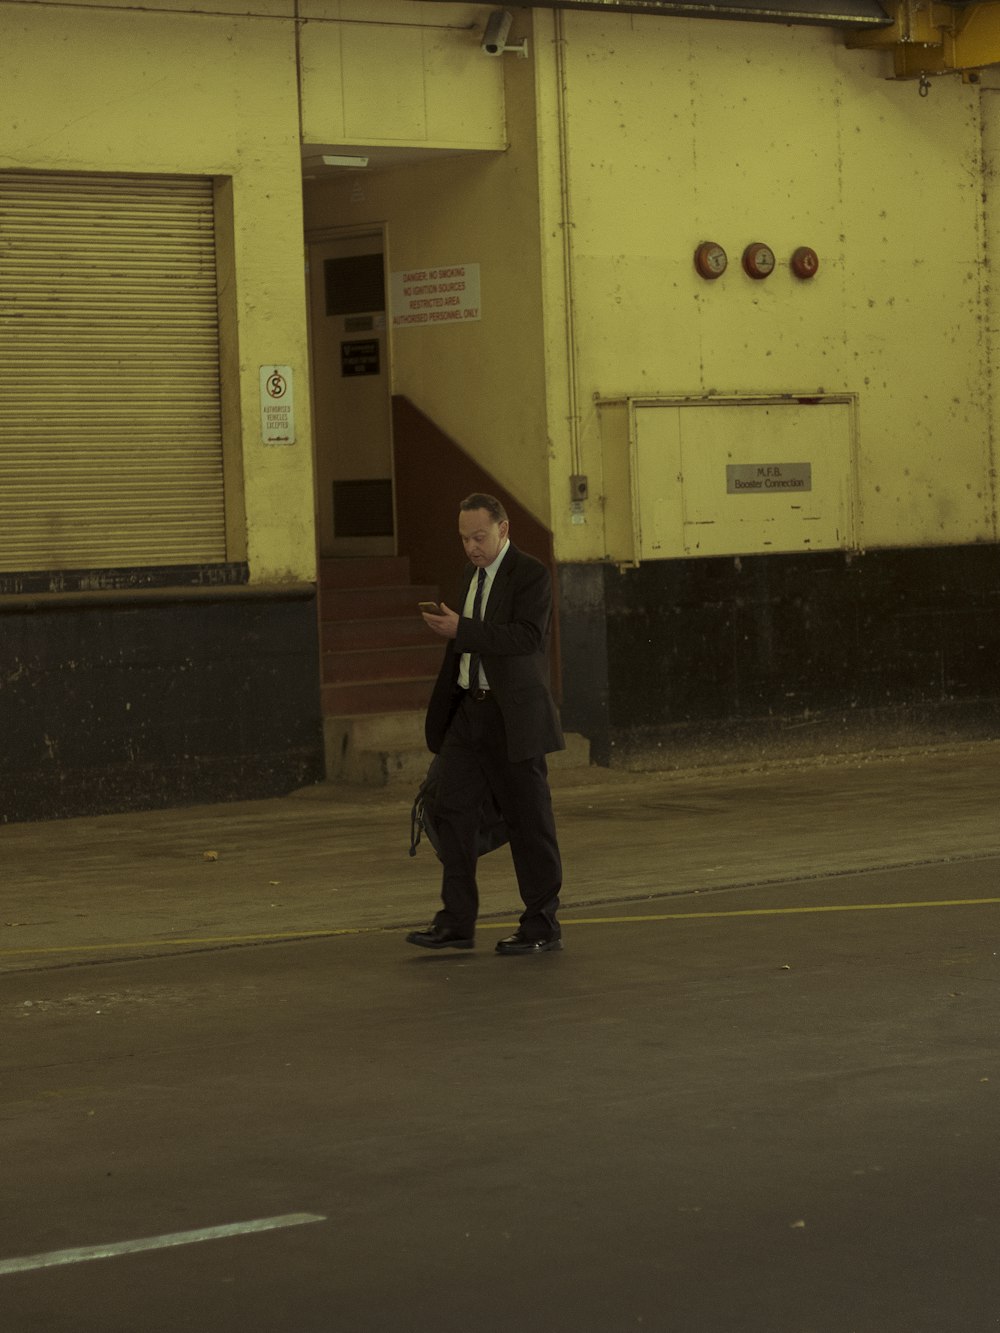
<point x="492" y="720"/>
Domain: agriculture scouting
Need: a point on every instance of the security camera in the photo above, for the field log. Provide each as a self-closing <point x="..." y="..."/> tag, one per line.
<point x="495" y="36"/>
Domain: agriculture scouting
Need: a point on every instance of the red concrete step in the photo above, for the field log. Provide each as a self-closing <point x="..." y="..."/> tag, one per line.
<point x="364" y="571"/>
<point x="398" y="632"/>
<point x="383" y="664"/>
<point x="375" y="603"/>
<point x="380" y="696"/>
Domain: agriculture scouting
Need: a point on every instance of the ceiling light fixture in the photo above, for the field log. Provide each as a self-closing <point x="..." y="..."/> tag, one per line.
<point x="335" y="160"/>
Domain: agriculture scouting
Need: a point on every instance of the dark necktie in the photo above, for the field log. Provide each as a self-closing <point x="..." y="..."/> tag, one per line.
<point x="477" y="614"/>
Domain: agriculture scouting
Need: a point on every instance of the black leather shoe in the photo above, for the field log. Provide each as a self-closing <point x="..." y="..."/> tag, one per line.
<point x="517" y="943"/>
<point x="436" y="937"/>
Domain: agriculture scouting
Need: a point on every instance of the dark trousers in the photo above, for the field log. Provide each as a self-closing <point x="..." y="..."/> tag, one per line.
<point x="473" y="761"/>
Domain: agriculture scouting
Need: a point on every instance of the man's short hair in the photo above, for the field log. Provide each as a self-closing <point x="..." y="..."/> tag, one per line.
<point x="490" y="503"/>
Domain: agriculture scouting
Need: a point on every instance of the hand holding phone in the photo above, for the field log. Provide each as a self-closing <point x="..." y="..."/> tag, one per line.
<point x="444" y="622"/>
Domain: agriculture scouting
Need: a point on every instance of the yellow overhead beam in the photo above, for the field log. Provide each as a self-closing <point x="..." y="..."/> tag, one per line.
<point x="930" y="38"/>
<point x="913" y="22"/>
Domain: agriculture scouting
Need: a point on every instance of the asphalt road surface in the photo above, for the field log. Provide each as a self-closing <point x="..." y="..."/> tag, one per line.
<point x="769" y="1110"/>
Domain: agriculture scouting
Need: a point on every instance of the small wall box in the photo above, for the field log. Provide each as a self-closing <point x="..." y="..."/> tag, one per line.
<point x="688" y="457"/>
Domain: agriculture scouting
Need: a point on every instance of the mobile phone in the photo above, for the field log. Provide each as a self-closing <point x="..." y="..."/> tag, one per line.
<point x="430" y="608"/>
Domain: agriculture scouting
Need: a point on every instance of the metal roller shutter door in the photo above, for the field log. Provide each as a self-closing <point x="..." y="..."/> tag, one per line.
<point x="111" y="443"/>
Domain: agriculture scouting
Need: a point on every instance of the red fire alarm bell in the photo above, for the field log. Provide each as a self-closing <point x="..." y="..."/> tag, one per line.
<point x="758" y="260"/>
<point x="805" y="262"/>
<point x="710" y="259"/>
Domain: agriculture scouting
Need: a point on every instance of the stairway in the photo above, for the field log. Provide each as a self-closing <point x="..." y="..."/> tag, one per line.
<point x="378" y="655"/>
<point x="380" y="662"/>
<point x="379" y="665"/>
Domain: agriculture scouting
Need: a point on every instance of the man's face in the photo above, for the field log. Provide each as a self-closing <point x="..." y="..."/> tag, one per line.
<point x="481" y="536"/>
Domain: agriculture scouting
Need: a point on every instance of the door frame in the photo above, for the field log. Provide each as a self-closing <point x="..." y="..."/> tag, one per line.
<point x="313" y="238"/>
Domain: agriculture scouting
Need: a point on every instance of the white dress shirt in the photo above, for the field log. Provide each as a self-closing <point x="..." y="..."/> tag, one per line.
<point x="470" y="599"/>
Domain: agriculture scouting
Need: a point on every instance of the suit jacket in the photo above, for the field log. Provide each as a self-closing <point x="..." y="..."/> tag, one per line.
<point x="512" y="639"/>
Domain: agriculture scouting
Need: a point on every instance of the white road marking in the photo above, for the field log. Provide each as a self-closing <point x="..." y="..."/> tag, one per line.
<point x="56" y="1257"/>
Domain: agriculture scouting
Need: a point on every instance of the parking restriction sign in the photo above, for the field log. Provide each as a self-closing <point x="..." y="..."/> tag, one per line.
<point x="277" y="405"/>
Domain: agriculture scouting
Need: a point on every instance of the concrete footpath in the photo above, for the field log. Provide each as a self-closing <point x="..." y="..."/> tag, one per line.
<point x="331" y="859"/>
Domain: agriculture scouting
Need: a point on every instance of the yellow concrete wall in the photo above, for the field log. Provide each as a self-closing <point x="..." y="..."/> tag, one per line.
<point x="678" y="131"/>
<point x="96" y="91"/>
<point x="988" y="317"/>
<point x="196" y="92"/>
<point x="482" y="382"/>
<point x="670" y="131"/>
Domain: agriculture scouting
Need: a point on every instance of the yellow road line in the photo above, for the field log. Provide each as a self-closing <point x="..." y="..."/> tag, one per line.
<point x="777" y="911"/>
<point x="272" y="937"/>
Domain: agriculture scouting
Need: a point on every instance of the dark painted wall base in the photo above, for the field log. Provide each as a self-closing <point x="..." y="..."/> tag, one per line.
<point x="690" y="652"/>
<point x="115" y="707"/>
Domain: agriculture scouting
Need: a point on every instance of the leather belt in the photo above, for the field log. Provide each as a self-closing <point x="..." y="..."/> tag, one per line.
<point x="478" y="695"/>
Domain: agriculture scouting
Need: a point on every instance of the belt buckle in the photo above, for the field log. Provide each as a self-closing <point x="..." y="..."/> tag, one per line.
<point x="480" y="695"/>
